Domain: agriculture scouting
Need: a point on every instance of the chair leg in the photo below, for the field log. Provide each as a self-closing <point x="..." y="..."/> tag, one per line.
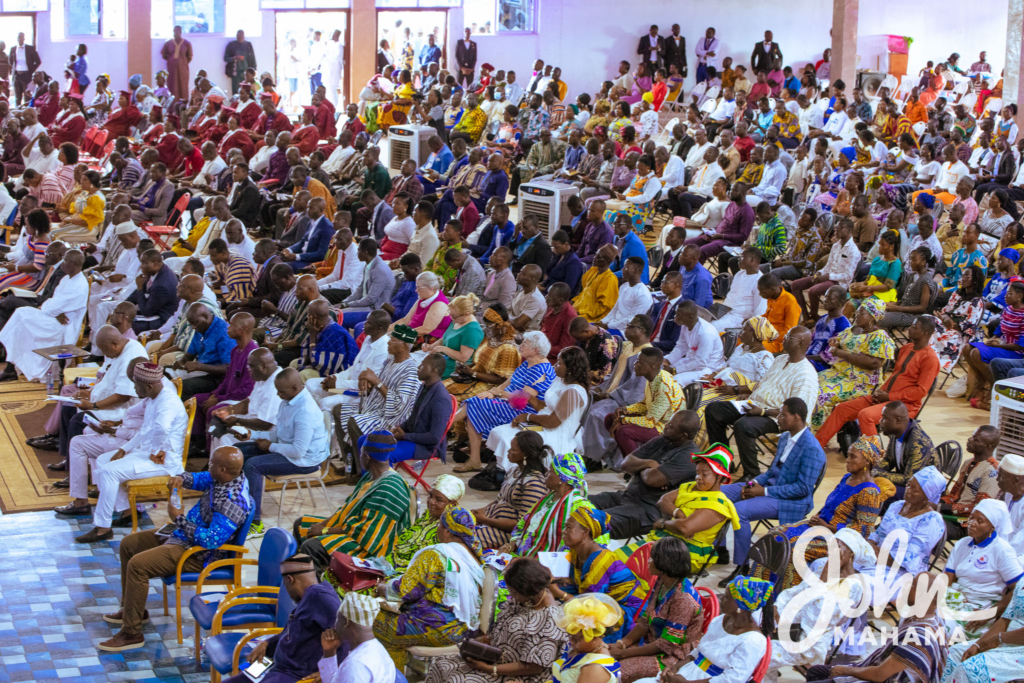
<point x="177" y="611"/>
<point x="323" y="489"/>
<point x="197" y="646"/>
<point x="166" y="612"/>
<point x="309" y="490"/>
<point x="280" y="507"/>
<point x="135" y="512"/>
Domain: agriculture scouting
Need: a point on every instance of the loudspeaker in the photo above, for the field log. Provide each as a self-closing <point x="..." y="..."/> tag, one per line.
<point x="869" y="82"/>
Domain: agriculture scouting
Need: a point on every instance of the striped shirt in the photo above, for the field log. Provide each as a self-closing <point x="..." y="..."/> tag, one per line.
<point x="239" y="278"/>
<point x="130" y="174"/>
<point x="771" y="239"/>
<point x="49" y="191"/>
<point x="1011" y="325"/>
<point x="333" y="351"/>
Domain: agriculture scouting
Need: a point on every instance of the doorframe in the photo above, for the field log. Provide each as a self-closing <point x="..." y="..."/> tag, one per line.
<point x="444" y="37"/>
<point x="346" y="36"/>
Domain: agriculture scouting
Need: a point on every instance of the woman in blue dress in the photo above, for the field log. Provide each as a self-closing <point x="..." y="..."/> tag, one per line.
<point x="520" y="394"/>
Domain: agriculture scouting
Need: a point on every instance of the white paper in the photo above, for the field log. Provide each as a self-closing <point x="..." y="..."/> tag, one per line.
<point x="742" y="406"/>
<point x="557" y="563"/>
<point x="64" y="399"/>
<point x="23" y="293"/>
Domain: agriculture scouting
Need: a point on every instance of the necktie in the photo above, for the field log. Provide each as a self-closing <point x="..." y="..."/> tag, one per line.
<point x="661" y="318"/>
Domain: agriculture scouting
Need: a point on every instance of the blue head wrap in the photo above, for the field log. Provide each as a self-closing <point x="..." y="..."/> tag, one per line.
<point x="927" y="200"/>
<point x="377" y="445"/>
<point x="1011" y="254"/>
<point x="932" y="483"/>
<point x="135" y="81"/>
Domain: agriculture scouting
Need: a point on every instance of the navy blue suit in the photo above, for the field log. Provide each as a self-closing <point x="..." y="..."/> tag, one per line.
<point x="789" y="489"/>
<point x="669" y="327"/>
<point x="313" y="245"/>
<point x="157" y="299"/>
<point x="425" y="428"/>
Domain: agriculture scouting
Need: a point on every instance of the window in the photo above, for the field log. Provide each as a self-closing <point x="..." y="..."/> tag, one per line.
<point x="304" y="4"/>
<point x="13" y="24"/>
<point x="412" y="4"/>
<point x="487" y="17"/>
<point x="26" y="5"/>
<point x="515" y="15"/>
<point x="71" y="19"/>
<point x="206" y="17"/>
<point x="199" y="16"/>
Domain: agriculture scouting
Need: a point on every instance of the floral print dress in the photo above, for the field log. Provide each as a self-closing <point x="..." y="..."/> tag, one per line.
<point x="966" y="316"/>
<point x="843" y="381"/>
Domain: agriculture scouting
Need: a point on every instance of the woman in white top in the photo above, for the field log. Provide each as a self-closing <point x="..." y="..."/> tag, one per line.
<point x="993" y="220"/>
<point x="733" y="645"/>
<point x="399" y="231"/>
<point x="928" y="168"/>
<point x="982" y="566"/>
<point x="1006" y="127"/>
<point x="424" y="241"/>
<point x="712" y="212"/>
<point x="558" y="414"/>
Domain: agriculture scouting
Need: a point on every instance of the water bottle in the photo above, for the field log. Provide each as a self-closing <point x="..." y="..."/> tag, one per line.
<point x="49" y="381"/>
<point x="175" y="499"/>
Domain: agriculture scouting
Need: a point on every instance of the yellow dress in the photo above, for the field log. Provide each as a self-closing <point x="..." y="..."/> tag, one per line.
<point x="185" y="247"/>
<point x="396" y="114"/>
<point x="90" y="208"/>
<point x="701" y="546"/>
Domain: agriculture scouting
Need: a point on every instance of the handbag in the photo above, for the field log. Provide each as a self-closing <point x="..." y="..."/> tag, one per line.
<point x="488" y="654"/>
<point x="351" y="574"/>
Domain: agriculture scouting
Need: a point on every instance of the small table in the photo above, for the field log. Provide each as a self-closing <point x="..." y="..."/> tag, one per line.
<point x="61" y="355"/>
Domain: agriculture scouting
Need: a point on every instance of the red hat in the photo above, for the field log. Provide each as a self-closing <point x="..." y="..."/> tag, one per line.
<point x="216" y="99"/>
<point x="247" y="86"/>
<point x="74" y="96"/>
<point x="127" y="93"/>
<point x="265" y="96"/>
<point x="228" y="110"/>
<point x="156" y="107"/>
<point x="308" y="108"/>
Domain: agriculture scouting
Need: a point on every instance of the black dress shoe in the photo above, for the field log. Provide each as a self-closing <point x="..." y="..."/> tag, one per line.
<point x="61" y="466"/>
<point x="92" y="536"/>
<point x="52" y="445"/>
<point x="122" y="521"/>
<point x="41" y="437"/>
<point x="94" y="492"/>
<point x="73" y="510"/>
<point x="64" y="483"/>
<point x="725" y="582"/>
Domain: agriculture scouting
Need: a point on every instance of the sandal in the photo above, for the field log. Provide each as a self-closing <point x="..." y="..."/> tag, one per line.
<point x="980" y="403"/>
<point x="467" y="468"/>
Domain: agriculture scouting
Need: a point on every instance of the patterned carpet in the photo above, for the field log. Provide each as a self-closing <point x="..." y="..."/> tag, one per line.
<point x="53" y="594"/>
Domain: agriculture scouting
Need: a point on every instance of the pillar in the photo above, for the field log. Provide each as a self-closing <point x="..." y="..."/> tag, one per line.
<point x="140" y="41"/>
<point x="1012" y="81"/>
<point x="844" y="42"/>
<point x="363" y="52"/>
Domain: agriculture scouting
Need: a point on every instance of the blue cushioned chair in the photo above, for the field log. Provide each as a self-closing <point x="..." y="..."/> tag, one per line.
<point x="220" y="575"/>
<point x="227" y="650"/>
<point x="246" y="606"/>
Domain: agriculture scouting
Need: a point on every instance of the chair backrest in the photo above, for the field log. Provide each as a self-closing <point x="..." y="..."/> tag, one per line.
<point x="721" y="285"/>
<point x="938" y="551"/>
<point x="176" y="381"/>
<point x="772" y="552"/>
<point x="729" y="341"/>
<point x="487" y="596"/>
<point x="949" y="454"/>
<point x="709" y="605"/>
<point x="705" y="314"/>
<point x="277" y="546"/>
<point x="242" y="532"/>
<point x="190" y="409"/>
<point x="968" y="100"/>
<point x="284" y="608"/>
<point x="693" y="393"/>
<point x="179" y="209"/>
<point x="640" y="563"/>
<point x="448" y="427"/>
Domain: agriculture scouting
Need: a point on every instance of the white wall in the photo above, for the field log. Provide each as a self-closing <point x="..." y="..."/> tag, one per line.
<point x="587" y="38"/>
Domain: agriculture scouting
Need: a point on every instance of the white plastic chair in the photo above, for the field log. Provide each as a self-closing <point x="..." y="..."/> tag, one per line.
<point x="708" y="106"/>
<point x="709" y="94"/>
<point x="673" y="102"/>
<point x="666" y="132"/>
<point x="889" y="82"/>
<point x="919" y="128"/>
<point x="995" y="104"/>
<point x="969" y="100"/>
<point x="698" y="91"/>
<point x="903" y="91"/>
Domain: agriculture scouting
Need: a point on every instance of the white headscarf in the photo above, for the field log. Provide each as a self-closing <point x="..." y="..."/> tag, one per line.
<point x="997" y="514"/>
<point x="452" y="487"/>
<point x="863" y="553"/>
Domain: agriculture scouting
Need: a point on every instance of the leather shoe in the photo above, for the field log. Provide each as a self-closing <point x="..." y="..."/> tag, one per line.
<point x="92" y="536"/>
<point x="64" y="483"/>
<point x="42" y="437"/>
<point x="61" y="466"/>
<point x="124" y="520"/>
<point x="73" y="510"/>
<point x="94" y="492"/>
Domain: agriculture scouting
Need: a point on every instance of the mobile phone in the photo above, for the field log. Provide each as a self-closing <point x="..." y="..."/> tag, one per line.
<point x="257" y="669"/>
<point x="166" y="530"/>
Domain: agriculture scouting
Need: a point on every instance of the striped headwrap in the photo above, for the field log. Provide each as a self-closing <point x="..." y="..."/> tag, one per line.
<point x="461" y="524"/>
<point x="870" y="447"/>
<point x="377" y="445"/>
<point x="359" y="609"/>
<point x="571" y="470"/>
<point x="763" y="330"/>
<point x="594" y="521"/>
<point x="749" y="593"/>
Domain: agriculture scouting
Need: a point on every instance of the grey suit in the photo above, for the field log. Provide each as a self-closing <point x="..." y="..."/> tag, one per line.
<point x="157" y="214"/>
<point x="375" y="289"/>
<point x="471" y="279"/>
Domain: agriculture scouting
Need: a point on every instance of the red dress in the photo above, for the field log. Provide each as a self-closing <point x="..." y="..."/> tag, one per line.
<point x="167" y="148"/>
<point x="68" y="130"/>
<point x="216" y="133"/>
<point x="658" y="92"/>
<point x="121" y="121"/>
<point x="47" y="106"/>
<point x="237" y="140"/>
<point x="305" y="138"/>
<point x="153" y="134"/>
<point x="279" y="123"/>
<point x="248" y="114"/>
<point x="324" y="120"/>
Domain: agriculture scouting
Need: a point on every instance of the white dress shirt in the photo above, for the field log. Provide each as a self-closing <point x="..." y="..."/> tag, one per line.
<point x="633" y="300"/>
<point x="696" y="155"/>
<point x="698" y="352"/>
<point x="674" y="173"/>
<point x="424" y="242"/>
<point x="811" y="117"/>
<point x="337" y="158"/>
<point x="790" y="443"/>
<point x="371" y="356"/>
<point x="368" y="663"/>
<point x="836" y="122"/>
<point x="163" y="429"/>
<point x="772" y="180"/>
<point x="843" y="260"/>
<point x="113" y="379"/>
<point x="347" y="273"/>
<point x="704" y="179"/>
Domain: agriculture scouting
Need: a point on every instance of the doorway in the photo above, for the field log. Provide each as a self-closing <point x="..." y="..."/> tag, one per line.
<point x="393" y="24"/>
<point x="296" y="47"/>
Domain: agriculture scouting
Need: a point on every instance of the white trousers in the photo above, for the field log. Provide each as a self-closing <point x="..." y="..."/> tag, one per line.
<point x="110" y="475"/>
<point x="82" y="453"/>
<point x="684" y="378"/>
<point x="730" y="319"/>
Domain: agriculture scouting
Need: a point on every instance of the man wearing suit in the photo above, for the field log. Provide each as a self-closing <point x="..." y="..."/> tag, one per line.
<point x="377" y="284"/>
<point x="910" y="450"/>
<point x="465" y="57"/>
<point x="54" y="274"/>
<point x="663" y="313"/>
<point x="155" y="203"/>
<point x="675" y="51"/>
<point x="423" y="433"/>
<point x="1004" y="168"/>
<point x="265" y="257"/>
<point x="298" y="223"/>
<point x="312" y="247"/>
<point x="707" y="54"/>
<point x="671" y="261"/>
<point x="156" y="293"/>
<point x="765" y="54"/>
<point x="786" y="491"/>
<point x="245" y="196"/>
<point x="651" y="50"/>
<point x="530" y="246"/>
<point x="380" y="213"/>
<point x="24" y="61"/>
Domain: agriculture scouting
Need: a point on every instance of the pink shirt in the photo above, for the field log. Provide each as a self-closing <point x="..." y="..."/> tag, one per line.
<point x="419" y="313"/>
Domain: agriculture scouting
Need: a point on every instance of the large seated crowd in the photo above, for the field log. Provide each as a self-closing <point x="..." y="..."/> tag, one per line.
<point x="311" y="307"/>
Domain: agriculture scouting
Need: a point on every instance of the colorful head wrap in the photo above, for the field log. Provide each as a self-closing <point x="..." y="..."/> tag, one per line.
<point x="461" y="524"/>
<point x="749" y="593"/>
<point x="870" y="447"/>
<point x="404" y="333"/>
<point x="450" y="487"/>
<point x="719" y="459"/>
<point x="594" y="521"/>
<point x="571" y="470"/>
<point x="763" y="330"/>
<point x="148" y="373"/>
<point x="926" y="200"/>
<point x="135" y="81"/>
<point x="932" y="483"/>
<point x="875" y="307"/>
<point x="591" y="613"/>
<point x="161" y="73"/>
<point x="1011" y="254"/>
<point x="377" y="445"/>
<point x="850" y="153"/>
<point x="600" y="131"/>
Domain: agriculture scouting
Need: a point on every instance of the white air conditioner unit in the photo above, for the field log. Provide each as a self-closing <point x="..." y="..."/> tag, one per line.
<point x="1008" y="415"/>
<point x="548" y="202"/>
<point x="408" y="142"/>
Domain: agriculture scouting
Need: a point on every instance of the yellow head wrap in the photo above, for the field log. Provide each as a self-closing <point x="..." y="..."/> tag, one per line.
<point x="763" y="330"/>
<point x="591" y="613"/>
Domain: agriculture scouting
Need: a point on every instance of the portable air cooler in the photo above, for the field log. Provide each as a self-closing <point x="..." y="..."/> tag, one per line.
<point x="1008" y="415"/>
<point x="408" y="142"/>
<point x="548" y="202"/>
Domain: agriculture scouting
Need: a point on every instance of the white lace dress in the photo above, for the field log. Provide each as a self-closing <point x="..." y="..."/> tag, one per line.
<point x="567" y="401"/>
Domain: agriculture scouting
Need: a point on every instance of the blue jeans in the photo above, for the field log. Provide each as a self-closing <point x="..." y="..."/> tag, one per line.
<point x="1004" y="368"/>
<point x="314" y="83"/>
<point x="404" y="450"/>
<point x="258" y="465"/>
<point x="750" y="509"/>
